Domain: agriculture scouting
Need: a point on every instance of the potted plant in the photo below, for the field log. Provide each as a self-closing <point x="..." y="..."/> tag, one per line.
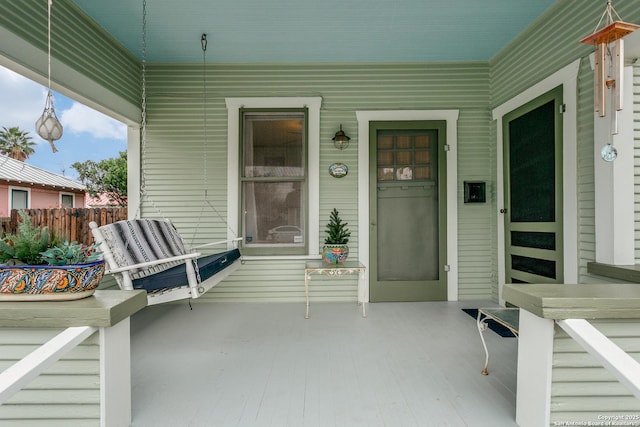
<point x="335" y="250"/>
<point x="34" y="266"/>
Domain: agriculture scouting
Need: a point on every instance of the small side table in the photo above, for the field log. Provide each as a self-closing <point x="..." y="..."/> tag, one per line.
<point x="337" y="270"/>
<point x="507" y="317"/>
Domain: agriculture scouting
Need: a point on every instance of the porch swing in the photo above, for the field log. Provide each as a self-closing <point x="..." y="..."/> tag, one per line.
<point x="150" y="254"/>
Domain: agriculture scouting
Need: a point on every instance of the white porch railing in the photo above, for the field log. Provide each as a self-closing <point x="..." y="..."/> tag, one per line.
<point x="625" y="368"/>
<point x="17" y="376"/>
<point x="545" y="305"/>
<point x="108" y="313"/>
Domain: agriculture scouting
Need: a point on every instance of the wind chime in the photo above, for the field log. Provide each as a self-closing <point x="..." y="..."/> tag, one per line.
<point x="609" y="66"/>
<point x="48" y="126"/>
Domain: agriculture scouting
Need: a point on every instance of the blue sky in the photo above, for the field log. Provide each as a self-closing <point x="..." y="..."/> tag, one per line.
<point x="88" y="134"/>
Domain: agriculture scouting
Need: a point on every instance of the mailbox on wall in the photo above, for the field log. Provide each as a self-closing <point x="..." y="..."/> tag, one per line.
<point x="475" y="192"/>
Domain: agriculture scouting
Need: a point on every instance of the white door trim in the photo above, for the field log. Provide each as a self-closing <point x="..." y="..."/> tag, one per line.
<point x="451" y="117"/>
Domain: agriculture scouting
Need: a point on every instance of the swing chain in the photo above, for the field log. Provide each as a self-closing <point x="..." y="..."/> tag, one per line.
<point x="143" y="123"/>
<point x="143" y="136"/>
<point x="205" y="181"/>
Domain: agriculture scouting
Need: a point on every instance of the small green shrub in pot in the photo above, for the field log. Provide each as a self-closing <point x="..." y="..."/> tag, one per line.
<point x="37" y="246"/>
<point x="25" y="246"/>
<point x="35" y="266"/>
<point x="66" y="253"/>
<point x="335" y="250"/>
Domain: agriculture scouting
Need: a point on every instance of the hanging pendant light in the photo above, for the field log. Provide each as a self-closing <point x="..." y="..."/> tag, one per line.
<point x="48" y="126"/>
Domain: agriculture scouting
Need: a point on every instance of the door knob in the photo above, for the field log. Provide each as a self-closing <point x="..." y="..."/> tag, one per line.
<point x="503" y="210"/>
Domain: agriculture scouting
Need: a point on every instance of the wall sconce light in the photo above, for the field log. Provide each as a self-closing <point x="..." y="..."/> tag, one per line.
<point x="341" y="140"/>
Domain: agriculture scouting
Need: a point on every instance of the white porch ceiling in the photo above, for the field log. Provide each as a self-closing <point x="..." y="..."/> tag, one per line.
<point x="307" y="31"/>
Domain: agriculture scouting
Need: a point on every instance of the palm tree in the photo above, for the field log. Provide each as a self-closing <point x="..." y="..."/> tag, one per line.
<point x="16" y="143"/>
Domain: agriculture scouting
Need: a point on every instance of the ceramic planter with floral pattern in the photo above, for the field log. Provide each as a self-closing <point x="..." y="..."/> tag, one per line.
<point x="49" y="282"/>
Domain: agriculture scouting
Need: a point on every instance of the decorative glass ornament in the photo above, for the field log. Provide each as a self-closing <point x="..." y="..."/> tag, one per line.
<point x="609" y="153"/>
<point x="48" y="126"/>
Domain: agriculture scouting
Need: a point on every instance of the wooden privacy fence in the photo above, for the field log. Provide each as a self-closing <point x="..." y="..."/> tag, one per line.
<point x="70" y="224"/>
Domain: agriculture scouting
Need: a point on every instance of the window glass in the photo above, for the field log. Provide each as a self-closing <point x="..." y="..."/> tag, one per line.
<point x="274" y="180"/>
<point x="67" y="200"/>
<point x="405" y="156"/>
<point x="19" y="199"/>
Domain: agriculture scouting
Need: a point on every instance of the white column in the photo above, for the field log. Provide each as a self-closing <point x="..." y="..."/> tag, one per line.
<point x="535" y="357"/>
<point x="614" y="192"/>
<point x="115" y="375"/>
<point x="134" y="169"/>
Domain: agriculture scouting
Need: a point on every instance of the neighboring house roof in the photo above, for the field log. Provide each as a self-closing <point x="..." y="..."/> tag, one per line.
<point x="15" y="172"/>
<point x="101" y="201"/>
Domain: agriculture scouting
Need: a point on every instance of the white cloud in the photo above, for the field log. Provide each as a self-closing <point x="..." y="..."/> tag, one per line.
<point x="21" y="101"/>
<point x="82" y="119"/>
<point x="88" y="135"/>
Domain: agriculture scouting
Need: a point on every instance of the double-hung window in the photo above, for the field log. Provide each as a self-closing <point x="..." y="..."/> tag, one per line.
<point x="273" y="176"/>
<point x="273" y="181"/>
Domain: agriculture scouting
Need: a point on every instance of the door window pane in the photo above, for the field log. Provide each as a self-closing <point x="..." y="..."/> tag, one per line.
<point x="385" y="158"/>
<point x="385" y="174"/>
<point x="405" y="156"/>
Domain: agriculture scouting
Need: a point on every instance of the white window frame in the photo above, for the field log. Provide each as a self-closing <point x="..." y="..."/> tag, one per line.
<point x="11" y="189"/>
<point x="313" y="161"/>
<point x="73" y="199"/>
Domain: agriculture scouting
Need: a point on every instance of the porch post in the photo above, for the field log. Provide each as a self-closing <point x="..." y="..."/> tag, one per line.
<point x="115" y="375"/>
<point x="614" y="186"/>
<point x="134" y="165"/>
<point x="108" y="312"/>
<point x="535" y="357"/>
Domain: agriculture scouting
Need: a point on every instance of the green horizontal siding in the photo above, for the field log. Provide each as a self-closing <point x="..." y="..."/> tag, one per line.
<point x="636" y="145"/>
<point x="66" y="394"/>
<point x="181" y="162"/>
<point x="77" y="41"/>
<point x="582" y="389"/>
<point x="476" y="162"/>
<point x="549" y="44"/>
<point x="585" y="170"/>
<point x="178" y="113"/>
